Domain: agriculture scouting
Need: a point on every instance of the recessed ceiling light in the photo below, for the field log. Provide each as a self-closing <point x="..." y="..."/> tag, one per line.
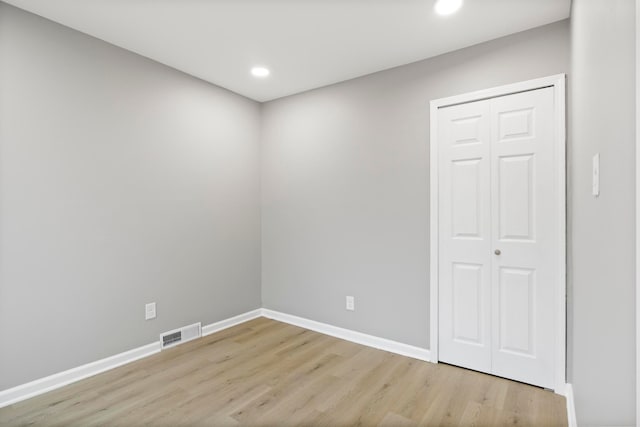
<point x="260" y="71"/>
<point x="447" y="7"/>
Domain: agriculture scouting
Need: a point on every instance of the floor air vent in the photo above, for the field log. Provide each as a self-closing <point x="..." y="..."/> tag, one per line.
<point x="178" y="336"/>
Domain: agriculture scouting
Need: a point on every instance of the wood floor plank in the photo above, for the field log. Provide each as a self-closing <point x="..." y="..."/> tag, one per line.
<point x="394" y="420"/>
<point x="267" y="373"/>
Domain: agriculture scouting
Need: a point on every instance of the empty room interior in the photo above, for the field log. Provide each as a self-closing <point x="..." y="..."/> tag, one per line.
<point x="318" y="213"/>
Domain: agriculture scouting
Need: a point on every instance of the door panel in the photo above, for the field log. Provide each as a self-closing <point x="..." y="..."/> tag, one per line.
<point x="467" y="304"/>
<point x="515" y="125"/>
<point x="517" y="317"/>
<point x="523" y="230"/>
<point x="465" y="332"/>
<point x="465" y="210"/>
<point x="497" y="246"/>
<point x="466" y="130"/>
<point x="515" y="197"/>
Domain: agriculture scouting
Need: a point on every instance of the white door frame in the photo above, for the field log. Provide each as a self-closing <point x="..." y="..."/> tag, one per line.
<point x="558" y="83"/>
<point x="637" y="302"/>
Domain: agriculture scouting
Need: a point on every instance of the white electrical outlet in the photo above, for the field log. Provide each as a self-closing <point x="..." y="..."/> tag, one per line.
<point x="351" y="303"/>
<point x="150" y="311"/>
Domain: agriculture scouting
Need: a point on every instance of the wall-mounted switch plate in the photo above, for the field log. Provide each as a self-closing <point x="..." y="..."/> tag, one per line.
<point x="150" y="311"/>
<point x="596" y="176"/>
<point x="351" y="303"/>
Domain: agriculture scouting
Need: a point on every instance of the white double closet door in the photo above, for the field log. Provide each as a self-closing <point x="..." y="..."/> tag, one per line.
<point x="498" y="231"/>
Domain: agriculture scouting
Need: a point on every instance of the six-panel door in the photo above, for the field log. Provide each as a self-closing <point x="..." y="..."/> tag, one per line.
<point x="497" y="205"/>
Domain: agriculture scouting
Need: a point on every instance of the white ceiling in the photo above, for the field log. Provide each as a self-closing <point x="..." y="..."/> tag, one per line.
<point x="305" y="43"/>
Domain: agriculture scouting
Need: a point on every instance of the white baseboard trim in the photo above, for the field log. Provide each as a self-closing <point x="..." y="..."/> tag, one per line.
<point x="571" y="408"/>
<point x="52" y="382"/>
<point x="232" y="321"/>
<point x="349" y="335"/>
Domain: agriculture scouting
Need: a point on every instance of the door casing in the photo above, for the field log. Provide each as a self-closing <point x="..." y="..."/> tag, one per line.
<point x="558" y="83"/>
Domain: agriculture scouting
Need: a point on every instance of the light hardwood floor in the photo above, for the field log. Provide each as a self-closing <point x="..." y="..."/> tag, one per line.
<point x="268" y="373"/>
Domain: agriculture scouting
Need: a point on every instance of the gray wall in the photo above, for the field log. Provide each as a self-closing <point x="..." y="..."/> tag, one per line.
<point x="122" y="182"/>
<point x="602" y="117"/>
<point x="345" y="184"/>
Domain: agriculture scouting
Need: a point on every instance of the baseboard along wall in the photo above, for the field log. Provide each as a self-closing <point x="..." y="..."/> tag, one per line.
<point x="61" y="379"/>
<point x="349" y="335"/>
<point x="52" y="382"/>
<point x="571" y="408"/>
